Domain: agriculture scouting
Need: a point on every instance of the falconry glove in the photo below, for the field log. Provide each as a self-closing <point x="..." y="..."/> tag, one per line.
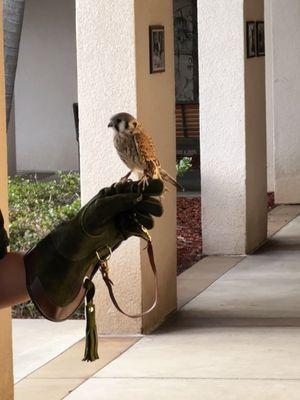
<point x="60" y="268"/>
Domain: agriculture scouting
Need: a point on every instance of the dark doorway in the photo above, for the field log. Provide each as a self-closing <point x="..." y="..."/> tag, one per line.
<point x="189" y="237"/>
<point x="187" y="89"/>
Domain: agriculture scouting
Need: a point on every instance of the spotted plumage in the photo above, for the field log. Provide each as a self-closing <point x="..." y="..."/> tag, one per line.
<point x="136" y="149"/>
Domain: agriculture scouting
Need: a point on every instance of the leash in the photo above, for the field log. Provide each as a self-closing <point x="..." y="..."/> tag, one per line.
<point x="103" y="267"/>
<point x="91" y="341"/>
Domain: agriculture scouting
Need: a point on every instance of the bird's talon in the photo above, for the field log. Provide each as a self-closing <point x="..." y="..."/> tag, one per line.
<point x="144" y="182"/>
<point x="125" y="178"/>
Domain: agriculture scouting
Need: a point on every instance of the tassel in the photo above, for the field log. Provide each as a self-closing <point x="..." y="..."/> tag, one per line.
<point x="91" y="336"/>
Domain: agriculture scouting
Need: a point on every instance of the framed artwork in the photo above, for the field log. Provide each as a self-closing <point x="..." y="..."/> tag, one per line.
<point x="157" y="48"/>
<point x="260" y="38"/>
<point x="251" y="39"/>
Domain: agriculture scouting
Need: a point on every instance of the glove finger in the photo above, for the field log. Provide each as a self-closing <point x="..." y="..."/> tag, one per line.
<point x="145" y="219"/>
<point x="117" y="188"/>
<point x="125" y="187"/>
<point x="150" y="206"/>
<point x="131" y="227"/>
<point x="103" y="209"/>
<point x="155" y="187"/>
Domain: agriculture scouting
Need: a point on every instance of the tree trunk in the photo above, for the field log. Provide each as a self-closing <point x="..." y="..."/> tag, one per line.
<point x="13" y="13"/>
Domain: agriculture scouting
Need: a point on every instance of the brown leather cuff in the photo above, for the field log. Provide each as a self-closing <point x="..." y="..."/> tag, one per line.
<point x="46" y="307"/>
<point x="56" y="295"/>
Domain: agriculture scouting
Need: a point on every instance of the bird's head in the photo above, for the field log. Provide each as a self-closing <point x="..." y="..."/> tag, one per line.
<point x="123" y="123"/>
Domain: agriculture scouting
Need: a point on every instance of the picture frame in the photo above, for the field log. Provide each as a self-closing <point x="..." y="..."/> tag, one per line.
<point x="251" y="39"/>
<point x="157" y="49"/>
<point x="260" y="38"/>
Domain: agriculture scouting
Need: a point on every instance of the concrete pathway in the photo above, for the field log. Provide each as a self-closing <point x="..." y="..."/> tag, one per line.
<point x="36" y="342"/>
<point x="239" y="339"/>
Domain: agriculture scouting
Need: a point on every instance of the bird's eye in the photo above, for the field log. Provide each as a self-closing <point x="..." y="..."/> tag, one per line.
<point x="118" y="121"/>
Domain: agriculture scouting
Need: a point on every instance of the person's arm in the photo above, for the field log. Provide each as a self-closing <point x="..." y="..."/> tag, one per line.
<point x="12" y="273"/>
<point x="13" y="288"/>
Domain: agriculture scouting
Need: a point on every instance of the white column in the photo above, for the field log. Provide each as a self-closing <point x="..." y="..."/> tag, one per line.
<point x="269" y="94"/>
<point x="113" y="76"/>
<point x="233" y="129"/>
<point x="286" y="89"/>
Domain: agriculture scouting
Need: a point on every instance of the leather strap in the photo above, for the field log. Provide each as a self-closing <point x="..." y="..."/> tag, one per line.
<point x="104" y="271"/>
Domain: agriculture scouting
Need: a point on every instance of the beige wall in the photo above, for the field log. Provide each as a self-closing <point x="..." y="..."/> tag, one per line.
<point x="6" y="374"/>
<point x="156" y="109"/>
<point x="46" y="88"/>
<point x="113" y="76"/>
<point x="255" y="101"/>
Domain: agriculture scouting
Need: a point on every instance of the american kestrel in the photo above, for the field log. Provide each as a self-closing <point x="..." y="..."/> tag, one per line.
<point x="135" y="148"/>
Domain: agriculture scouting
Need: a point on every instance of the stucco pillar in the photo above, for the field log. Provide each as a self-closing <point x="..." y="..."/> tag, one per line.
<point x="113" y="76"/>
<point x="233" y="129"/>
<point x="6" y="373"/>
<point x="269" y="94"/>
<point x="285" y="53"/>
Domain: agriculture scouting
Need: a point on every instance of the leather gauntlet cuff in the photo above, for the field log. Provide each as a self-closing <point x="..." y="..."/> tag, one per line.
<point x="58" y="265"/>
<point x="54" y="283"/>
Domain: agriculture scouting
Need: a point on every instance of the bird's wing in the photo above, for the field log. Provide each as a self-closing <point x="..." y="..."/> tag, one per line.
<point x="145" y="147"/>
<point x="146" y="153"/>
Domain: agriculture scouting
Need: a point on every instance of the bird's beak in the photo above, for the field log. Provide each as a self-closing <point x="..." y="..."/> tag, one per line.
<point x="110" y="125"/>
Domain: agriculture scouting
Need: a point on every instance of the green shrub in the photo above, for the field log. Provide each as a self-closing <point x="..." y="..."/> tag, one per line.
<point x="183" y="165"/>
<point x="35" y="208"/>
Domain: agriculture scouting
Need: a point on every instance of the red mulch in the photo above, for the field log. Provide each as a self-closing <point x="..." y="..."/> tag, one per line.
<point x="189" y="235"/>
<point x="271" y="201"/>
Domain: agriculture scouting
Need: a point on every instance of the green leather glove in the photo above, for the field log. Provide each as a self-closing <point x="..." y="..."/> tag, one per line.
<point x="57" y="266"/>
<point x="112" y="216"/>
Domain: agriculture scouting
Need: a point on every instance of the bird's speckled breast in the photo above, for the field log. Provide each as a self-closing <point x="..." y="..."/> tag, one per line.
<point x="126" y="148"/>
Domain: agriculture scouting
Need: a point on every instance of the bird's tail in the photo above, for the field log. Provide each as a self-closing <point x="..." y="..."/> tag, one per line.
<point x="168" y="178"/>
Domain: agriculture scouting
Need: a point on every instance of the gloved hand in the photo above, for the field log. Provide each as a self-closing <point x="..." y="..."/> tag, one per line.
<point x="57" y="266"/>
<point x="112" y="216"/>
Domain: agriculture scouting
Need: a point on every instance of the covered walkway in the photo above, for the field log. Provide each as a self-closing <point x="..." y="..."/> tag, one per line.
<point x="238" y="339"/>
